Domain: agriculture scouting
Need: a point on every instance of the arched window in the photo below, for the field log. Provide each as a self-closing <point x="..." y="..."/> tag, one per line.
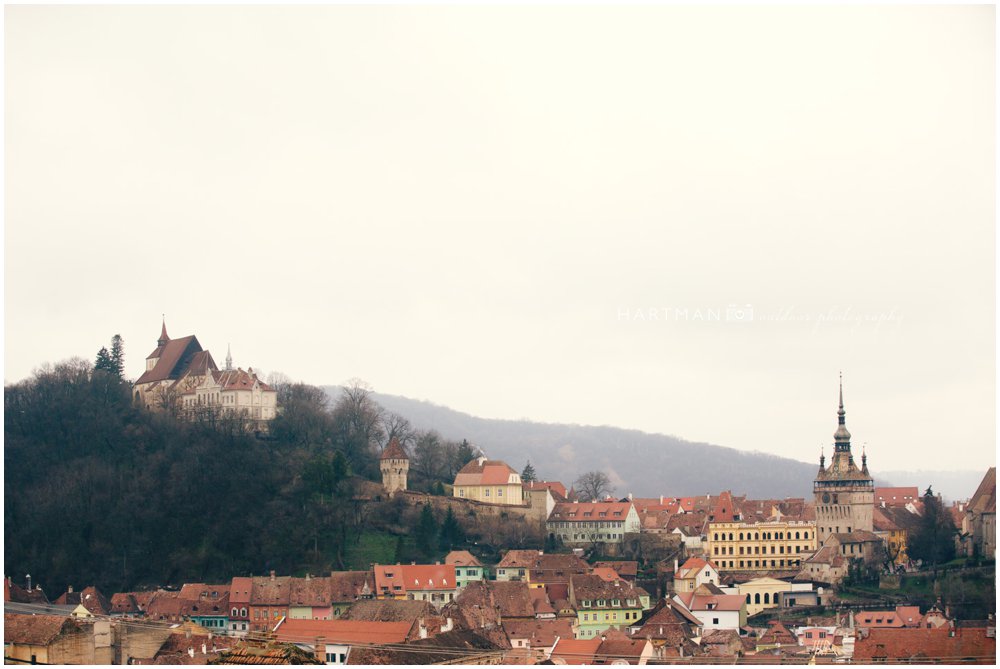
<point x="730" y="536"/>
<point x="748" y="598"/>
<point x="767" y="598"/>
<point x="234" y="612"/>
<point x="741" y="536"/>
<point x="796" y="535"/>
<point x="756" y="598"/>
<point x="716" y="535"/>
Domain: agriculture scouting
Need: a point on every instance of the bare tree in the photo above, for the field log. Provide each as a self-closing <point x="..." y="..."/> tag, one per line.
<point x="397" y="427"/>
<point x="593" y="486"/>
<point x="429" y="455"/>
<point x="362" y="414"/>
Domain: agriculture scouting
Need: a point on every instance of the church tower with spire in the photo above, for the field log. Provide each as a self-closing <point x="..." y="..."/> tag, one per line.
<point x="844" y="494"/>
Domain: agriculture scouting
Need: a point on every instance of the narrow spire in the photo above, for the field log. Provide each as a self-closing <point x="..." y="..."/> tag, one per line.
<point x="229" y="358"/>
<point x="864" y="457"/>
<point x="842" y="438"/>
<point x="822" y="457"/>
<point x="163" y="333"/>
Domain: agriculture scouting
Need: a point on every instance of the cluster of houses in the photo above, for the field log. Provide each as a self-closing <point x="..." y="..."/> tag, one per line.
<point x="530" y="607"/>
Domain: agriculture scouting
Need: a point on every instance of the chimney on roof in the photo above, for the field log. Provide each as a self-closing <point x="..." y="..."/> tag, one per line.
<point x="676" y="566"/>
<point x="204" y="649"/>
<point x="69" y="588"/>
<point x="422" y="629"/>
<point x="272" y="574"/>
<point x="191" y="651"/>
<point x="307" y="576"/>
<point x="661" y="500"/>
<point x="27" y="577"/>
<point x="319" y="649"/>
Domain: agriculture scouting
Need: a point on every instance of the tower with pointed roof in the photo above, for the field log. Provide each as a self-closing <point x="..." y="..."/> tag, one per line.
<point x="843" y="492"/>
<point x="395" y="465"/>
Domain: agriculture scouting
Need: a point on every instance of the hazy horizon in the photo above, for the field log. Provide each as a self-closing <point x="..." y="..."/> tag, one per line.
<point x="680" y="220"/>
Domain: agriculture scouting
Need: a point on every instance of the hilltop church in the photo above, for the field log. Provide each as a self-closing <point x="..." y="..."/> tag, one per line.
<point x="180" y="376"/>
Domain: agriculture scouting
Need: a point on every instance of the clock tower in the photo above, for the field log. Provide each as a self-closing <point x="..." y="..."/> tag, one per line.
<point x="844" y="495"/>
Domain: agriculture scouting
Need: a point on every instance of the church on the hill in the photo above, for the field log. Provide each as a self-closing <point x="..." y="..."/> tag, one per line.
<point x="180" y="376"/>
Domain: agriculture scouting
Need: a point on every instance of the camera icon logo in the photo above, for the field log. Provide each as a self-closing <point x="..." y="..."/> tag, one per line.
<point x="739" y="314"/>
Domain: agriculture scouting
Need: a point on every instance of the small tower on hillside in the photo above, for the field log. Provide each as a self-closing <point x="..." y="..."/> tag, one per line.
<point x="395" y="465"/>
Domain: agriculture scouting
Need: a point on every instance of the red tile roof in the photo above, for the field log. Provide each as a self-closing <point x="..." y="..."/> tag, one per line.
<point x="343" y="631"/>
<point x="394" y="451"/>
<point x="576" y="651"/>
<point x="414" y="577"/>
<point x="693" y="565"/>
<point x="540" y="633"/>
<point x="557" y="488"/>
<point x="944" y="644"/>
<point x="36" y="630"/>
<point x="624" y="568"/>
<point x="90" y="597"/>
<point x="239" y="590"/>
<point x="698" y="602"/>
<point x="174" y="357"/>
<point x="518" y="559"/>
<point x="462" y="559"/>
<point x="487" y="472"/>
<point x="896" y="496"/>
<point x="589" y="511"/>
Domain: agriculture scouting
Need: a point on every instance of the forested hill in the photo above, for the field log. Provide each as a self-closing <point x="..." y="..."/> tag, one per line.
<point x="644" y="464"/>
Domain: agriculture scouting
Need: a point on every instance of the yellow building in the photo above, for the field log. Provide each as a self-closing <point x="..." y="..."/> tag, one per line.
<point x="759" y="546"/>
<point x="893" y="524"/>
<point x="764" y="593"/>
<point x="490" y="481"/>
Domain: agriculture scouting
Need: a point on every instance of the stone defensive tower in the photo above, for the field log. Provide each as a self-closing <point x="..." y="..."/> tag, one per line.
<point x="395" y="465"/>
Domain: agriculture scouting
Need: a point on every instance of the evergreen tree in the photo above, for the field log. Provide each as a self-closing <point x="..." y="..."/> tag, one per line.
<point x="427" y="530"/>
<point x="438" y="489"/>
<point x="933" y="542"/>
<point x="118" y="356"/>
<point x="451" y="532"/>
<point x="528" y="475"/>
<point x="400" y="555"/>
<point x="341" y="469"/>
<point x="104" y="362"/>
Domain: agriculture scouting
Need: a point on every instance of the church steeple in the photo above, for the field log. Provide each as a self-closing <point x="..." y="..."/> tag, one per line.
<point x="842" y="438"/>
<point x="229" y="358"/>
<point x="162" y="341"/>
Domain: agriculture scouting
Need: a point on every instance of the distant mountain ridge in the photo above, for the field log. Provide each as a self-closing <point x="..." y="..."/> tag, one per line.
<point x="644" y="464"/>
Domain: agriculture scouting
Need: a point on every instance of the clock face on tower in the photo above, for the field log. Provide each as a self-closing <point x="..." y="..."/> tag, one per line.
<point x="826" y="498"/>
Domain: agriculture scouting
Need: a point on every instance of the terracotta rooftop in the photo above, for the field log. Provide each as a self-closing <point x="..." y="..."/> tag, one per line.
<point x="462" y="559"/>
<point x="576" y="651"/>
<point x="394" y="451"/>
<point x="173" y="359"/>
<point x="409" y="577"/>
<point x="487" y="472"/>
<point x="388" y="610"/>
<point x="36" y="630"/>
<point x="590" y="511"/>
<point x="343" y="631"/>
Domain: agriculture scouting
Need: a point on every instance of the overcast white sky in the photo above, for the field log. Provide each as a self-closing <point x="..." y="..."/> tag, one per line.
<point x="508" y="210"/>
